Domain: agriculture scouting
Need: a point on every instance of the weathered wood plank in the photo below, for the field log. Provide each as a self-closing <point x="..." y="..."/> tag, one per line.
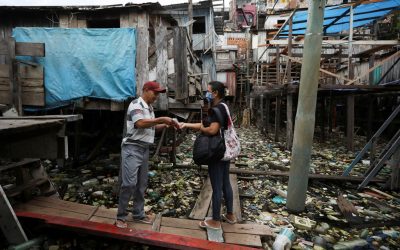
<point x="236" y="199"/>
<point x="4" y="70"/>
<point x="137" y="226"/>
<point x="63" y="20"/>
<point x="200" y="234"/>
<point x="5" y="97"/>
<point x="24" y="162"/>
<point x="180" y="50"/>
<point x="180" y="223"/>
<point x="82" y="23"/>
<point x="142" y="66"/>
<point x="200" y="209"/>
<point x="157" y="223"/>
<point x="4" y="87"/>
<point x="162" y="61"/>
<point x="33" y="98"/>
<point x="29" y="49"/>
<point x="247" y="229"/>
<point x="27" y="71"/>
<point x="3" y="47"/>
<point x="243" y="239"/>
<point x="50" y="211"/>
<point x="61" y="205"/>
<point x="124" y="19"/>
<point x="133" y="18"/>
<point x="29" y="82"/>
<point x="68" y="118"/>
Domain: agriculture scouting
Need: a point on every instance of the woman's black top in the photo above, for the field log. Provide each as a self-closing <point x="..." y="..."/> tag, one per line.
<point x="213" y="117"/>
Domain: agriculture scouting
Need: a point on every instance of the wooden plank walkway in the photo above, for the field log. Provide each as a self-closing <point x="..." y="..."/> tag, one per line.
<point x="242" y="234"/>
<point x="203" y="205"/>
<point x="238" y="234"/>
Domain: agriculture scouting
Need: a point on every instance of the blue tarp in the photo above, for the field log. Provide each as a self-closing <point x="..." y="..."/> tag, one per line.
<point x="363" y="14"/>
<point x="79" y="63"/>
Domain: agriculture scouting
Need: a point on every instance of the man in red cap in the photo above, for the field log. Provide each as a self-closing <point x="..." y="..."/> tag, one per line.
<point x="141" y="127"/>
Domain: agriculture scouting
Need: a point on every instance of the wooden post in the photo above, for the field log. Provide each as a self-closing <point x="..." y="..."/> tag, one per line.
<point x="323" y="118"/>
<point x="370" y="116"/>
<point x="15" y="87"/>
<point x="262" y="113"/>
<point x="77" y="140"/>
<point x="278" y="75"/>
<point x="267" y="105"/>
<point x="277" y="117"/>
<point x="142" y="55"/>
<point x="182" y="88"/>
<point x="162" y="61"/>
<point x="289" y="96"/>
<point x="371" y="65"/>
<point x="395" y="165"/>
<point x="350" y="122"/>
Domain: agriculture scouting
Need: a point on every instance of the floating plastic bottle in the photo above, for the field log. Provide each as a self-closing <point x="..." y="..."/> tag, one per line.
<point x="283" y="240"/>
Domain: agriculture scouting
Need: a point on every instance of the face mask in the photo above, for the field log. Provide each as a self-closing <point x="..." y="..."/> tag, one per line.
<point x="209" y="97"/>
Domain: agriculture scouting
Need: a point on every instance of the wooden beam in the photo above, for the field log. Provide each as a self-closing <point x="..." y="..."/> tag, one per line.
<point x="322" y="70"/>
<point x="9" y="223"/>
<point x="286" y="174"/>
<point x="335" y="42"/>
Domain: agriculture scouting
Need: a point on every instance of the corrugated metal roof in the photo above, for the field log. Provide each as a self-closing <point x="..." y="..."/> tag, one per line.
<point x="363" y="14"/>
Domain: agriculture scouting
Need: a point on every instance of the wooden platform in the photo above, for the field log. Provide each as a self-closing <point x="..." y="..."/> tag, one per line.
<point x="238" y="234"/>
<point x="35" y="136"/>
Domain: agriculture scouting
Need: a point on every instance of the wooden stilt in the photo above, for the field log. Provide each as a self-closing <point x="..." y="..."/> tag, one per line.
<point x="395" y="165"/>
<point x="350" y="122"/>
<point x="370" y="115"/>
<point x="277" y="117"/>
<point x="262" y="113"/>
<point x="323" y="119"/>
<point x="267" y="105"/>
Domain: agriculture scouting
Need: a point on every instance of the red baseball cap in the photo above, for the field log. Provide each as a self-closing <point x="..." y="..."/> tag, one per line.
<point x="154" y="86"/>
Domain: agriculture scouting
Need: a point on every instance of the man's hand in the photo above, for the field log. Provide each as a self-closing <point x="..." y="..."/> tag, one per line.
<point x="176" y="124"/>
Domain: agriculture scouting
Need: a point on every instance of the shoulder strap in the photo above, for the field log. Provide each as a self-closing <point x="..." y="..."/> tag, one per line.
<point x="230" y="123"/>
<point x="219" y="116"/>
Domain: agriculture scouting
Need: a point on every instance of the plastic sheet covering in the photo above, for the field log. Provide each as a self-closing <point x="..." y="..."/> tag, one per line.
<point x="363" y="14"/>
<point x="79" y="63"/>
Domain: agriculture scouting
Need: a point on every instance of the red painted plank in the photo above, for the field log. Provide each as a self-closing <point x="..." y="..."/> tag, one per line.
<point x="132" y="235"/>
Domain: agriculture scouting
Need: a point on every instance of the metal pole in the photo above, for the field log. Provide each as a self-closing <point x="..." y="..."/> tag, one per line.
<point x="305" y="117"/>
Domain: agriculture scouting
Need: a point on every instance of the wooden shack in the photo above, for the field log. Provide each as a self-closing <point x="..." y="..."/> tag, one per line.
<point x="156" y="56"/>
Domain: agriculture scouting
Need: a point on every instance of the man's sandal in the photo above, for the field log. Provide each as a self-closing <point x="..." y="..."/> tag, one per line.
<point x="121" y="224"/>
